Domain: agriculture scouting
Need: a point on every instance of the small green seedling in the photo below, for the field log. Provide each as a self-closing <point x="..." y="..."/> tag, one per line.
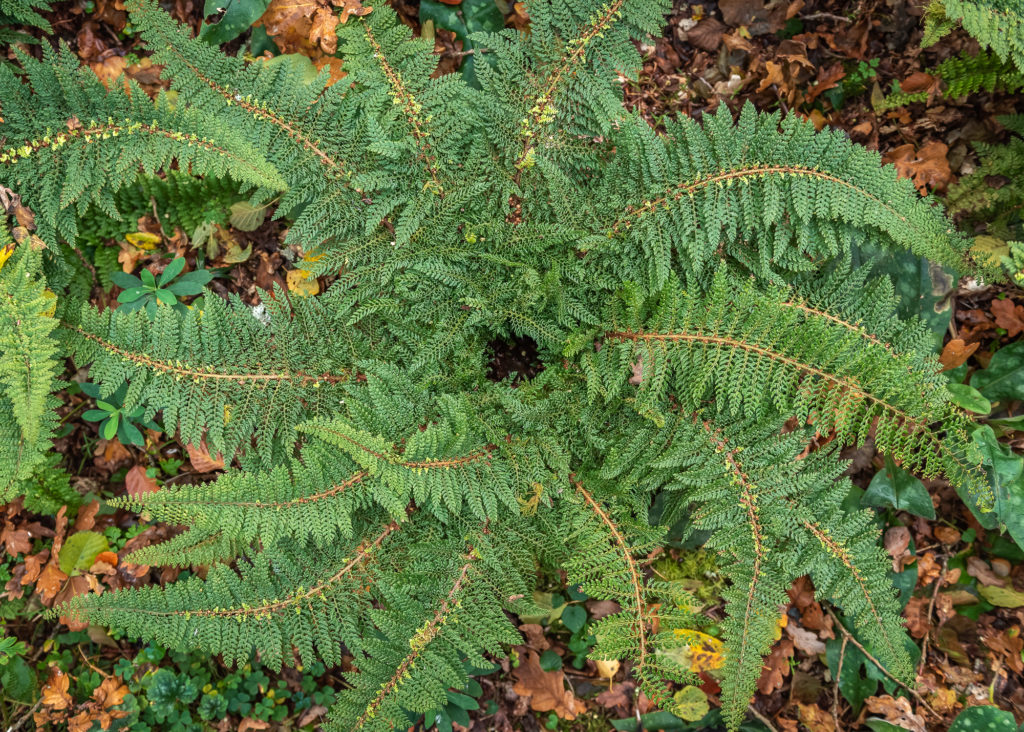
<point x="147" y="291"/>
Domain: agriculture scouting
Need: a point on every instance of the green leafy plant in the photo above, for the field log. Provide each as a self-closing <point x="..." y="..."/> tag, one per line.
<point x="147" y="291"/>
<point x="996" y="24"/>
<point x="114" y="419"/>
<point x="689" y="293"/>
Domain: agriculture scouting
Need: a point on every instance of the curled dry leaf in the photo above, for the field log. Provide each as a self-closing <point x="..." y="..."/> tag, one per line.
<point x="896" y="711"/>
<point x="546" y="689"/>
<point x="956" y="352"/>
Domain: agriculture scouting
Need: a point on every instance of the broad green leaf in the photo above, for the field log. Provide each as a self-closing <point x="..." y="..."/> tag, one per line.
<point x="894" y="487"/>
<point x="80" y="551"/>
<point x="238" y="16"/>
<point x="550" y="661"/>
<point x="690" y="703"/>
<point x="574" y="617"/>
<point x="109" y="428"/>
<point x="172" y="270"/>
<point x="984" y="719"/>
<point x="1002" y="596"/>
<point x="1004" y="378"/>
<point x="969" y="398"/>
<point x="1006" y="477"/>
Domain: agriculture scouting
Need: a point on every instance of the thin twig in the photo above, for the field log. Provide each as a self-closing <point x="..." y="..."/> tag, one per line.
<point x="25" y="717"/>
<point x="826" y="16"/>
<point x="839" y="672"/>
<point x="762" y="719"/>
<point x="914" y="692"/>
<point x="928" y="618"/>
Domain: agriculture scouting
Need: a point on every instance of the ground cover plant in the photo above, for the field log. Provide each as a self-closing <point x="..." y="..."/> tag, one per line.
<point x="704" y="300"/>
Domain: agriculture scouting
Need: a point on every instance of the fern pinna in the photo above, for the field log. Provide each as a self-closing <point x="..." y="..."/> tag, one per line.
<point x="689" y="292"/>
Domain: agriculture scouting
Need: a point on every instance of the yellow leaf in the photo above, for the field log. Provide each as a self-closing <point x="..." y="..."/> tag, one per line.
<point x="700" y="652"/>
<point x="691" y="704"/>
<point x="5" y="254"/>
<point x="606" y="669"/>
<point x="301" y="283"/>
<point x="142" y="240"/>
<point x="51" y="309"/>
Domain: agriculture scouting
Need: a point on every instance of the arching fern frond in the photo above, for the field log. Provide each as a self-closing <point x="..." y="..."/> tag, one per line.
<point x="772" y="517"/>
<point x="222" y="374"/>
<point x="773" y="202"/>
<point x="69" y="142"/>
<point x="269" y="605"/>
<point x="759" y="353"/>
<point x="28" y="361"/>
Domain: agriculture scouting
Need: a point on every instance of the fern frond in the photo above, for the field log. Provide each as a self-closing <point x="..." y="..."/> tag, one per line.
<point x="24" y="12"/>
<point x="759" y="353"/>
<point x="70" y="142"/>
<point x="28" y="362"/>
<point x="996" y="24"/>
<point x="221" y="374"/>
<point x="193" y="547"/>
<point x="965" y="74"/>
<point x="774" y="202"/>
<point x="773" y="517"/>
<point x="268" y="605"/>
<point x="600" y="559"/>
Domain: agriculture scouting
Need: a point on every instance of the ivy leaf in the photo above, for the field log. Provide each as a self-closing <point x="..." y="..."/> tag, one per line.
<point x="895" y="487"/>
<point x="1006" y="477"/>
<point x="81" y="550"/>
<point x="984" y="719"/>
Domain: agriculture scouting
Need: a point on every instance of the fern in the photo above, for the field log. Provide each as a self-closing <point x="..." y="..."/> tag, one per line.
<point x="22" y="12"/>
<point x="985" y="72"/>
<point x="689" y="292"/>
<point x="996" y="24"/>
<point x="28" y="362"/>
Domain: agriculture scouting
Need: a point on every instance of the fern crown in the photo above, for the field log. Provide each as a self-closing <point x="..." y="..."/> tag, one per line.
<point x="690" y="289"/>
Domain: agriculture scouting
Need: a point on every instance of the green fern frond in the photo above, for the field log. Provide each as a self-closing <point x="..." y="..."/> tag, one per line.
<point x="269" y="605"/>
<point x="762" y="352"/>
<point x="71" y="142"/>
<point x="773" y="517"/>
<point x="222" y="374"/>
<point x="996" y="24"/>
<point x="24" y="12"/>
<point x="772" y="202"/>
<point x="28" y="362"/>
<point x="965" y="74"/>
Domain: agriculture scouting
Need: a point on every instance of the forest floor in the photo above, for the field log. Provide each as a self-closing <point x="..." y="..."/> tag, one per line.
<point x="855" y="65"/>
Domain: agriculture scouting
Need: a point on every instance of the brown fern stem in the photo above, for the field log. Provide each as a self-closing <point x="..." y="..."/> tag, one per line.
<point x="634" y="574"/>
<point x="747" y="501"/>
<point x="188" y="371"/>
<point x="105" y="131"/>
<point x="754" y="171"/>
<point x="418" y="642"/>
<point x="405" y="98"/>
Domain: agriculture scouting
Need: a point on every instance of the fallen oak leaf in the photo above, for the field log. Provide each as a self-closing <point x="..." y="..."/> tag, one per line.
<point x="545" y="689"/>
<point x="1009" y="316"/>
